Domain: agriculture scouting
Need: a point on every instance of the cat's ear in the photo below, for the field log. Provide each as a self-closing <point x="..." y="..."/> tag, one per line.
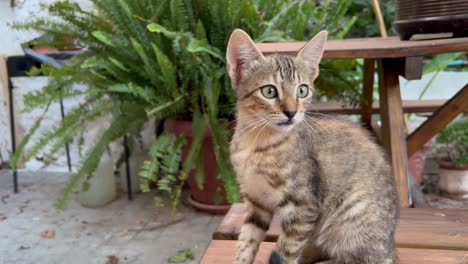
<point x="241" y="55"/>
<point x="312" y="53"/>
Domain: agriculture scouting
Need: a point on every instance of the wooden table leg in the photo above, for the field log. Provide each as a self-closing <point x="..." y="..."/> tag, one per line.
<point x="441" y="118"/>
<point x="393" y="133"/>
<point x="367" y="89"/>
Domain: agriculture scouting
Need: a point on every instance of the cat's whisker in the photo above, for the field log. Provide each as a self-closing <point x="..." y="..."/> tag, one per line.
<point x="249" y="129"/>
<point x="256" y="127"/>
<point x="310" y="131"/>
<point x="255" y="139"/>
<point x="316" y="112"/>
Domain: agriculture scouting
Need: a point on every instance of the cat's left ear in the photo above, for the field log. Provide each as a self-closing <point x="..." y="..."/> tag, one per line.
<point x="241" y="55"/>
<point x="311" y="54"/>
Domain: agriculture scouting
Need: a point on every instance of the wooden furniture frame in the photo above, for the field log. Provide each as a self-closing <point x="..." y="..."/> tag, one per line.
<point x="394" y="58"/>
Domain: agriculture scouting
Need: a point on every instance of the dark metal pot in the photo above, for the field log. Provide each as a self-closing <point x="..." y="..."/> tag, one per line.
<point x="431" y="16"/>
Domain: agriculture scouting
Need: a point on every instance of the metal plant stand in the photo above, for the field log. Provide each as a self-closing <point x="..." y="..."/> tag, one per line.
<point x="18" y="66"/>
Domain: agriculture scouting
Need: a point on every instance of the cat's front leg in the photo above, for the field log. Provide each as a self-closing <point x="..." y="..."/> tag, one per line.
<point x="297" y="225"/>
<point x="252" y="233"/>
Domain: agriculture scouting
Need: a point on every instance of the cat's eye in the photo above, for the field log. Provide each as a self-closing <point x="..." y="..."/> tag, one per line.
<point x="302" y="91"/>
<point x="269" y="91"/>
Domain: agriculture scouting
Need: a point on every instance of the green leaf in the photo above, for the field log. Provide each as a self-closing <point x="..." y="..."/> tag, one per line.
<point x="200" y="172"/>
<point x="85" y="186"/>
<point x="144" y="186"/>
<point x="440" y="61"/>
<point x="25" y="140"/>
<point x="182" y="256"/>
<point x="199" y="127"/>
<point x="118" y="64"/>
<point x="153" y="27"/>
<point x="167" y="69"/>
<point x="103" y="37"/>
<point x="196" y="46"/>
<point x="158" y="202"/>
<point x="119" y="88"/>
<point x="163" y="107"/>
<point x="90" y="62"/>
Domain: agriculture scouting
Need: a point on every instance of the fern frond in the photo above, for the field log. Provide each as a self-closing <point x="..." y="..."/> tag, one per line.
<point x="117" y="129"/>
<point x="27" y="137"/>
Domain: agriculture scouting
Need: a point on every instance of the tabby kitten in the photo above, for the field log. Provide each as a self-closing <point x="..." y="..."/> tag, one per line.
<point x="327" y="181"/>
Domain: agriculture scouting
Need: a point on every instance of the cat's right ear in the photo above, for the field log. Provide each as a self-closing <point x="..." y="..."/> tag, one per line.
<point x="241" y="55"/>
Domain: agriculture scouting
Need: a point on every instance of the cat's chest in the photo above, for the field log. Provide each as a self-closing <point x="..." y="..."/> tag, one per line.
<point x="260" y="178"/>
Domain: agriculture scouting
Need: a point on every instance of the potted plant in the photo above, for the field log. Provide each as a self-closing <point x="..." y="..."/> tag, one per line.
<point x="164" y="60"/>
<point x="451" y="152"/>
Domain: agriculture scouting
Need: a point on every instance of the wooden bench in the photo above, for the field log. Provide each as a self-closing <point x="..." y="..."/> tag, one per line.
<point x="408" y="106"/>
<point x="223" y="251"/>
<point x="423" y="236"/>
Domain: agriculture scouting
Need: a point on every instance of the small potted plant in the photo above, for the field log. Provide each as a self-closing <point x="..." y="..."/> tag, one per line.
<point x="451" y="153"/>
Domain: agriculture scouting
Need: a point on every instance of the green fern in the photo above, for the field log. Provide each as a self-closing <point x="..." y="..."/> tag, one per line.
<point x="166" y="59"/>
<point x="452" y="143"/>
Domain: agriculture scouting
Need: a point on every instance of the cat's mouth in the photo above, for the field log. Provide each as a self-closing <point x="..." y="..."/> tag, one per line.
<point x="286" y="123"/>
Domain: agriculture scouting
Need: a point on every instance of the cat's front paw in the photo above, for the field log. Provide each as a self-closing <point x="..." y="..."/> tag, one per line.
<point x="275" y="258"/>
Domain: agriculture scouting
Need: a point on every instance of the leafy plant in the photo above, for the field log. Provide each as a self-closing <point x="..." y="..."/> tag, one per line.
<point x="182" y="256"/>
<point x="452" y="143"/>
<point x="165" y="59"/>
<point x="366" y="25"/>
<point x="436" y="65"/>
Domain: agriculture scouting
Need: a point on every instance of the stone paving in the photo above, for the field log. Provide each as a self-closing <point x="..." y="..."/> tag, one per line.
<point x="121" y="232"/>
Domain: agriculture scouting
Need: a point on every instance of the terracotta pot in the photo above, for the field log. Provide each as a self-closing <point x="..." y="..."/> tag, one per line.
<point x="453" y="180"/>
<point x="417" y="162"/>
<point x="416" y="165"/>
<point x="201" y="199"/>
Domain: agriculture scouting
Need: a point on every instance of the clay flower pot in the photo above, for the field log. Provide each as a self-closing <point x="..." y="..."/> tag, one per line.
<point x="416" y="165"/>
<point x="417" y="162"/>
<point x="201" y="199"/>
<point x="453" y="180"/>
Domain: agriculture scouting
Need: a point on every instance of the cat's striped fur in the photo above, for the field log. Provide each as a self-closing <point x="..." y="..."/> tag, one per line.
<point x="327" y="181"/>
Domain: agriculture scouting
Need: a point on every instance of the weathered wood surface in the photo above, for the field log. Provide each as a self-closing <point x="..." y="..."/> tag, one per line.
<point x="224" y="251"/>
<point x="367" y="92"/>
<point x="440" y="119"/>
<point x="413" y="68"/>
<point x="373" y="48"/>
<point x="393" y="131"/>
<point x="418" y="228"/>
<point x="5" y="106"/>
<point x="409" y="106"/>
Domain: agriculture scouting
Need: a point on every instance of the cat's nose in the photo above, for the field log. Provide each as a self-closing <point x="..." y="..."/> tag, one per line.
<point x="290" y="114"/>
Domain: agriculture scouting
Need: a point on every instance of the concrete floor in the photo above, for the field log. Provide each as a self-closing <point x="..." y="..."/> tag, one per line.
<point x="129" y="232"/>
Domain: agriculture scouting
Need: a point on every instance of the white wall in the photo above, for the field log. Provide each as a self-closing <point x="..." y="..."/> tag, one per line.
<point x="10" y="44"/>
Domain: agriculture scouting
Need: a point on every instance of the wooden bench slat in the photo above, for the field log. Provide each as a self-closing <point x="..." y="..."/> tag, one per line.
<point x="372" y="47"/>
<point x="223" y="251"/>
<point x="409" y="106"/>
<point x="418" y="228"/>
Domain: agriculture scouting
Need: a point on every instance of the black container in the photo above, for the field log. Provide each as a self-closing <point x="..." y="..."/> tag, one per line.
<point x="431" y="16"/>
